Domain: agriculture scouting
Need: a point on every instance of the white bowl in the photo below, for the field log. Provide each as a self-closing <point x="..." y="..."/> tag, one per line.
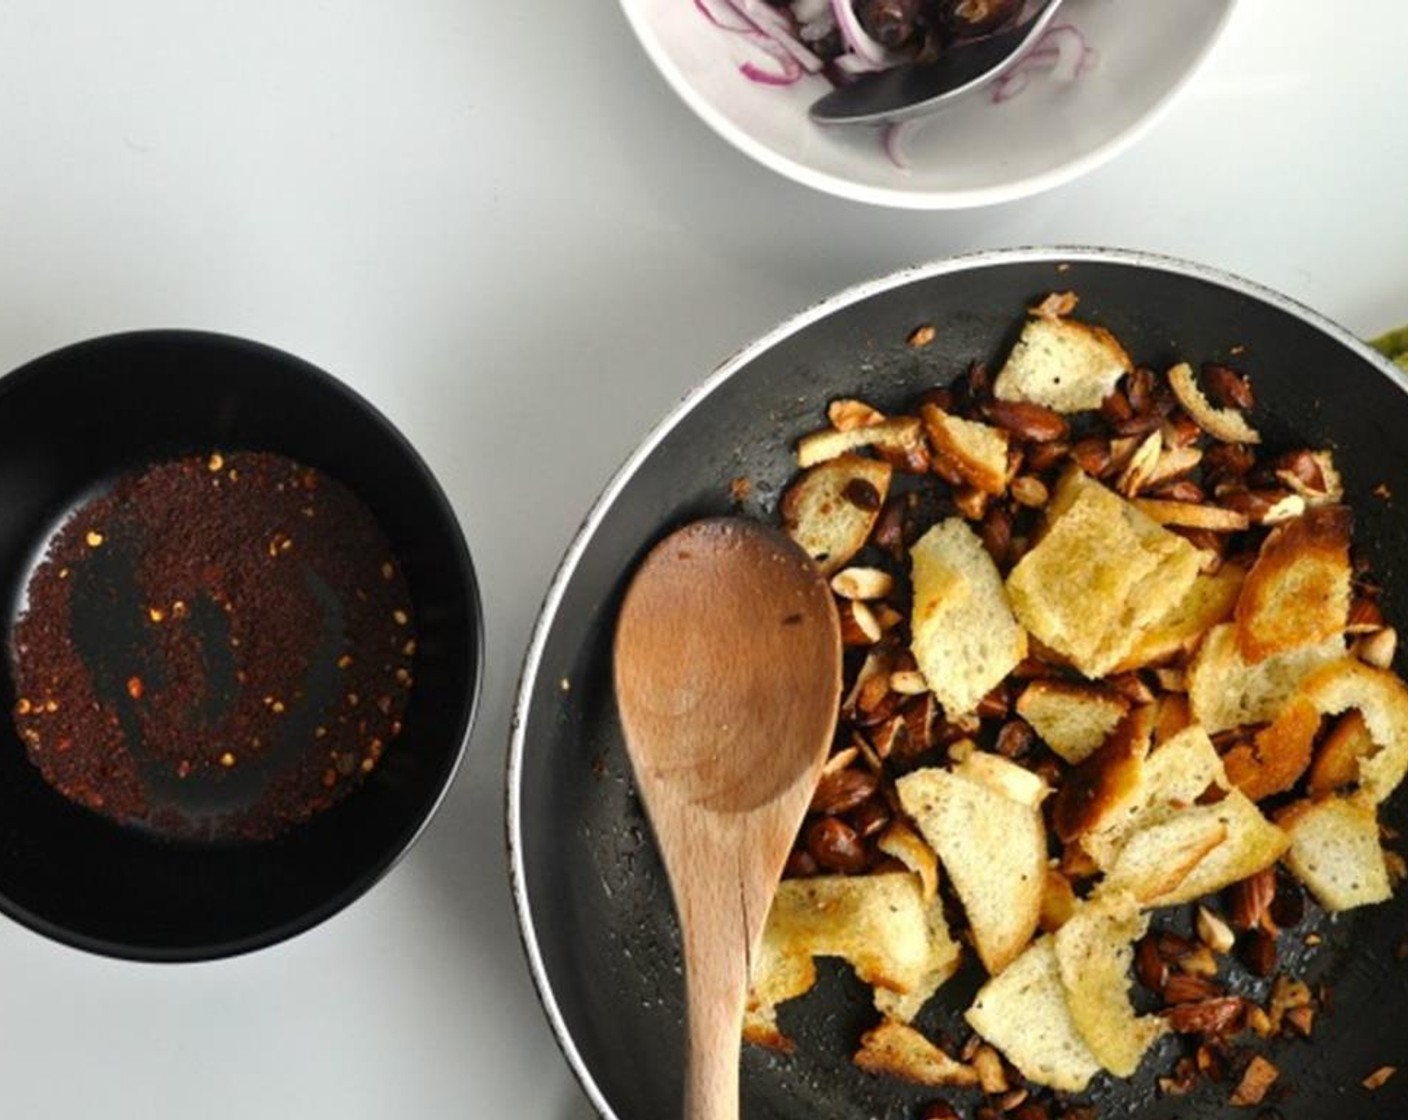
<point x="976" y="153"/>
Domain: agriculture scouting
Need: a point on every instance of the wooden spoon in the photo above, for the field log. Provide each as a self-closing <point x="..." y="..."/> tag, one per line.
<point x="728" y="674"/>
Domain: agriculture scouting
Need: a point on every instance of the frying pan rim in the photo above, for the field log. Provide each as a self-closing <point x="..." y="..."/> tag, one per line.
<point x="728" y="368"/>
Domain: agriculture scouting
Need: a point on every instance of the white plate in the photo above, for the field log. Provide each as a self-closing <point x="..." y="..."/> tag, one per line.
<point x="975" y="153"/>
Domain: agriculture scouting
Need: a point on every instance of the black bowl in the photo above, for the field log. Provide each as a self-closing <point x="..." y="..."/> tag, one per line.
<point x="593" y="902"/>
<point x="73" y="420"/>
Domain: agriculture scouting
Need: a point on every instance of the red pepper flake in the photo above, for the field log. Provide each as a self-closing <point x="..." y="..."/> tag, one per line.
<point x="210" y="621"/>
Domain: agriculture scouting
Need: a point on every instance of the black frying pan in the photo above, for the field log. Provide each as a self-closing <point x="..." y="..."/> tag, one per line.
<point x="592" y="898"/>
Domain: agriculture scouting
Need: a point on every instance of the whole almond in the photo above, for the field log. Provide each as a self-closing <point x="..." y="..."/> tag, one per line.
<point x="1249" y="900"/>
<point x="1259" y="952"/>
<point x="1227" y="387"/>
<point x="1092" y="455"/>
<point x="1211" y="1017"/>
<point x="1149" y="966"/>
<point x="1028" y="421"/>
<point x="1186" y="987"/>
<point x="1043" y="456"/>
<point x="843" y="790"/>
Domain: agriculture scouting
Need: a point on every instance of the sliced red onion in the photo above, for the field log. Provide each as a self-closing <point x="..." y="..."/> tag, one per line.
<point x="1070" y="48"/>
<point x="754" y="18"/>
<point x="1010" y="85"/>
<point x="792" y="73"/>
<point x="854" y="36"/>
<point x="896" y="141"/>
<point x="721" y="13"/>
<point x="1062" y="52"/>
<point x="786" y="69"/>
<point x="778" y="25"/>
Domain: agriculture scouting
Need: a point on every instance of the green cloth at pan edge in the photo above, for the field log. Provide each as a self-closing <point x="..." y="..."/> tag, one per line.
<point x="1394" y="346"/>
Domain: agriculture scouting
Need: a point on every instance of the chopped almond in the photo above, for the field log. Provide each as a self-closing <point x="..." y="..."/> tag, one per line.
<point x="1379" y="1078"/>
<point x="1224" y="424"/>
<point x="1256" y="1082"/>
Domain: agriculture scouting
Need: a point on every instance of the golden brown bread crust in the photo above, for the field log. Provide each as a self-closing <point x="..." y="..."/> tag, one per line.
<point x="1337" y="761"/>
<point x="976" y="452"/>
<point x="901" y="1051"/>
<point x="1106" y="780"/>
<point x="1297" y="593"/>
<point x="1279" y="754"/>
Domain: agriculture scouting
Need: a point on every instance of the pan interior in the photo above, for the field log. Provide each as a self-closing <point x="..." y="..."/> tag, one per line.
<point x="593" y="898"/>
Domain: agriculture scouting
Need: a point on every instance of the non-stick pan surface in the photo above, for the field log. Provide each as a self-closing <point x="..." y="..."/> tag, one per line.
<point x="593" y="901"/>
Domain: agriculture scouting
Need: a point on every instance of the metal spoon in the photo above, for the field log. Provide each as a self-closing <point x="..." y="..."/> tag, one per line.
<point x="917" y="89"/>
<point x="728" y="675"/>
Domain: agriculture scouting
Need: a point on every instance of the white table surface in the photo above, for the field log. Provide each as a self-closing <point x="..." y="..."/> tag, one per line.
<point x="495" y="221"/>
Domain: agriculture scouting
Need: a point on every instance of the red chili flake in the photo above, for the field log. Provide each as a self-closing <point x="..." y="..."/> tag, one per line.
<point x="201" y="602"/>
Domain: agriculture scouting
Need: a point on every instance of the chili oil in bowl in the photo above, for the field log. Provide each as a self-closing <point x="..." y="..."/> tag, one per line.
<point x="244" y="645"/>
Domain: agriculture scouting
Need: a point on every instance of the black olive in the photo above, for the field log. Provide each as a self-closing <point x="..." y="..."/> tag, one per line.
<point x="965" y="19"/>
<point x="892" y="23"/>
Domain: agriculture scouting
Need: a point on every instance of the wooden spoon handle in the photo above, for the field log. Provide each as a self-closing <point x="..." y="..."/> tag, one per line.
<point x="716" y="983"/>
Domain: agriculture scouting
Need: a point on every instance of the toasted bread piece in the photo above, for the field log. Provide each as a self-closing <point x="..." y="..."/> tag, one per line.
<point x="1336" y="763"/>
<point x="1063" y="364"/>
<point x="1192" y="515"/>
<point x="898" y="433"/>
<point x="1209" y="601"/>
<point x="1155" y="861"/>
<point x="1224" y="691"/>
<point x="945" y="955"/>
<point x="993" y="849"/>
<point x="1279" y="753"/>
<point x="978" y="452"/>
<point x="1002" y="775"/>
<point x="896" y="1050"/>
<point x="1226" y="424"/>
<point x="1252" y="844"/>
<point x="878" y="923"/>
<point x="1109" y="785"/>
<point x="965" y="637"/>
<point x="1094" y="951"/>
<point x="1383" y="700"/>
<point x="1173" y="716"/>
<point x="1134" y="788"/>
<point x="1183" y="769"/>
<point x="1326" y="486"/>
<point x="820" y="511"/>
<point x="1335" y="851"/>
<point x="1072" y="719"/>
<point x="901" y="842"/>
<point x="1297" y="593"/>
<point x="1023" y="1012"/>
<point x="1101" y="574"/>
<point x="1058" y="901"/>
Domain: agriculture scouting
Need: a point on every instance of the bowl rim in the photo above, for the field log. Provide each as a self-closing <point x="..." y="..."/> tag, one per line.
<point x="464" y="564"/>
<point x="566" y="570"/>
<point x="896" y="197"/>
